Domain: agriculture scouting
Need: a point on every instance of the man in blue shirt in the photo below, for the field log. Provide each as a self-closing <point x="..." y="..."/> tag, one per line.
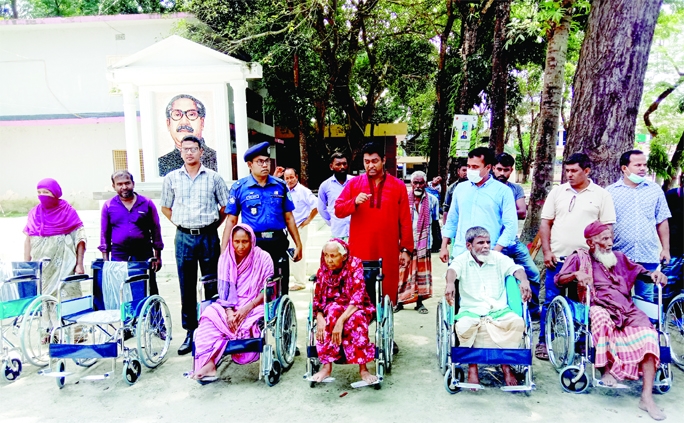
<point x="518" y="252"/>
<point x="328" y="192"/>
<point x="266" y="206"/>
<point x="483" y="201"/>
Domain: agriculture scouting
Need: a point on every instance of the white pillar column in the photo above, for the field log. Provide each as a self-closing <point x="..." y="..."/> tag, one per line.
<point x="131" y="124"/>
<point x="241" y="134"/>
<point x="222" y="116"/>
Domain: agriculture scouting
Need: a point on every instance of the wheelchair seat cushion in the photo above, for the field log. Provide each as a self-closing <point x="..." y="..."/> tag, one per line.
<point x="100" y="317"/>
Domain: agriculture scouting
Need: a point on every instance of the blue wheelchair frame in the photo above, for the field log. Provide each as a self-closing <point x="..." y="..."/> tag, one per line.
<point x="451" y="356"/>
<point x="384" y="328"/>
<point x="674" y="318"/>
<point x="21" y="308"/>
<point x="568" y="321"/>
<point x="280" y="318"/>
<point x="102" y="331"/>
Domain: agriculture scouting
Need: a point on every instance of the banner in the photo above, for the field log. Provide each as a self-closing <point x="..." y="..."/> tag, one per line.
<point x="462" y="129"/>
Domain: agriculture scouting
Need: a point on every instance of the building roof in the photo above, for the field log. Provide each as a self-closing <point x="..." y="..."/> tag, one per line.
<point x="46" y="23"/>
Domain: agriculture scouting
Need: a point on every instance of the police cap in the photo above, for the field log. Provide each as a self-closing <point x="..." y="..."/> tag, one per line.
<point x="260" y="149"/>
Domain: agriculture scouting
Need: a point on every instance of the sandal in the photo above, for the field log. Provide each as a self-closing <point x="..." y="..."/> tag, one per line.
<point x="421" y="309"/>
<point x="541" y="352"/>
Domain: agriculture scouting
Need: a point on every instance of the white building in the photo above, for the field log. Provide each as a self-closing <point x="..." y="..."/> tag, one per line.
<point x="62" y="109"/>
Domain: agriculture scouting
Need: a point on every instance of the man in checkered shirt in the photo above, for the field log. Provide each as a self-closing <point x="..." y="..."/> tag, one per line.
<point x="194" y="199"/>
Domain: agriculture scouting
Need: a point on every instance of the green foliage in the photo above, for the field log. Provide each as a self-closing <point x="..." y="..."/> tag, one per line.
<point x="66" y="8"/>
<point x="659" y="160"/>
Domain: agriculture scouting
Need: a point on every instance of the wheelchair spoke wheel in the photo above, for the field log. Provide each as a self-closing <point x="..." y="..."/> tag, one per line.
<point x="571" y="383"/>
<point x="560" y="334"/>
<point x="674" y="326"/>
<point x="12" y="369"/>
<point x="38" y="321"/>
<point x="286" y="332"/>
<point x="439" y="332"/>
<point x="388" y="333"/>
<point x="153" y="332"/>
<point x="131" y="371"/>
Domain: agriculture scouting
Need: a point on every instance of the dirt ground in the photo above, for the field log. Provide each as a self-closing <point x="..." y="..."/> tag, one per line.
<point x="413" y="392"/>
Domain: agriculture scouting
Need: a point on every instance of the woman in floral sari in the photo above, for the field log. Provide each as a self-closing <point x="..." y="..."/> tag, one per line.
<point x="343" y="312"/>
<point x="242" y="271"/>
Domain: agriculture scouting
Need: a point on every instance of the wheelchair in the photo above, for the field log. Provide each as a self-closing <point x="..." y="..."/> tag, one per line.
<point x="97" y="326"/>
<point x="26" y="314"/>
<point x="384" y="328"/>
<point x="280" y="320"/>
<point x="674" y="317"/>
<point x="570" y="345"/>
<point x="450" y="355"/>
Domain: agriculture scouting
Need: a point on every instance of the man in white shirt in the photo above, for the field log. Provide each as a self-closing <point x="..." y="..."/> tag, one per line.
<point x="484" y="320"/>
<point x="305" y="210"/>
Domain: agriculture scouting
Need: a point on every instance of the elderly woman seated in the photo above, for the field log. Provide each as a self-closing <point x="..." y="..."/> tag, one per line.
<point x="484" y="319"/>
<point x="243" y="269"/>
<point x="623" y="335"/>
<point x="343" y="312"/>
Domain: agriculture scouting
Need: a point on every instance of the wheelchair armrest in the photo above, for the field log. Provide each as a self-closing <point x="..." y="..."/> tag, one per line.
<point x="75" y="278"/>
<point x="137" y="278"/>
<point x="21" y="278"/>
<point x="208" y="278"/>
<point x="45" y="260"/>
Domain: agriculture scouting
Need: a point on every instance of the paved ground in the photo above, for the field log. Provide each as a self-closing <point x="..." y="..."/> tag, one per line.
<point x="413" y="392"/>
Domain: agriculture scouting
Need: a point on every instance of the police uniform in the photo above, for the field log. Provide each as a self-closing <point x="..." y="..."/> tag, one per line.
<point x="263" y="208"/>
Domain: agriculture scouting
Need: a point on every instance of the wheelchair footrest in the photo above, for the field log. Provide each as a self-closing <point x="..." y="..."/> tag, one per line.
<point x="465" y="385"/>
<point x="107" y="350"/>
<point x="97" y="377"/>
<point x="598" y="383"/>
<point x="362" y="383"/>
<point x="50" y="373"/>
<point x="517" y="388"/>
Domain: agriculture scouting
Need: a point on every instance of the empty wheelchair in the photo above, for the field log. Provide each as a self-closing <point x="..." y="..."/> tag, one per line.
<point x="674" y="318"/>
<point x="26" y="317"/>
<point x="97" y="326"/>
<point x="384" y="328"/>
<point x="450" y="356"/>
<point x="570" y="345"/>
<point x="280" y="321"/>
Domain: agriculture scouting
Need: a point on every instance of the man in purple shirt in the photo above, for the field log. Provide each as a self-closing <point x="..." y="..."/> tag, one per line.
<point x="130" y="225"/>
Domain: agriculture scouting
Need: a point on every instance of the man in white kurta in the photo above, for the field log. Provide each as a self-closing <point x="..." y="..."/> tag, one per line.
<point x="484" y="319"/>
<point x="305" y="210"/>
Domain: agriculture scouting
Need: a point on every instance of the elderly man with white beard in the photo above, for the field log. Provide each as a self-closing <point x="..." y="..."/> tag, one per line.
<point x="623" y="336"/>
<point x="484" y="320"/>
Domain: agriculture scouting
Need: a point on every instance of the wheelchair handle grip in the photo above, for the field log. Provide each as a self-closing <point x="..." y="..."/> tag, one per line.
<point x="22" y="278"/>
<point x="137" y="278"/>
<point x="76" y="278"/>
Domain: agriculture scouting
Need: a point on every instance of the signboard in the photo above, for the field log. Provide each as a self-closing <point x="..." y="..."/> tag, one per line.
<point x="641" y="138"/>
<point x="462" y="130"/>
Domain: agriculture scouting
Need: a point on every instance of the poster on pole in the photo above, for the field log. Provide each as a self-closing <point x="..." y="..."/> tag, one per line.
<point x="462" y="130"/>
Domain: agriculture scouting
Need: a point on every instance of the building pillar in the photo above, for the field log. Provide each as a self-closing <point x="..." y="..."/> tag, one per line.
<point x="131" y="125"/>
<point x="241" y="131"/>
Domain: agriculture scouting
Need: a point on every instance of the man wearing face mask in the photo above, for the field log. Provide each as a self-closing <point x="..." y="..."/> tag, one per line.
<point x="482" y="201"/>
<point x="641" y="228"/>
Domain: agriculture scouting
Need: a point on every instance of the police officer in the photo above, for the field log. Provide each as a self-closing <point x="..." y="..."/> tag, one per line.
<point x="266" y="206"/>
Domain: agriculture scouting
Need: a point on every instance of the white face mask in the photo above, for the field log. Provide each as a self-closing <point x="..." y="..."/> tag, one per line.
<point x="474" y="176"/>
<point x="635" y="178"/>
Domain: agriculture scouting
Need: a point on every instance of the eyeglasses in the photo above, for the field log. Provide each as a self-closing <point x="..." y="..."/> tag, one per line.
<point x="263" y="163"/>
<point x="572" y="203"/>
<point x="177" y="114"/>
<point x="190" y="149"/>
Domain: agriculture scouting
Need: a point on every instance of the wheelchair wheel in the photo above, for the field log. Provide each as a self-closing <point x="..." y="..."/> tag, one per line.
<point x="12" y="369"/>
<point x="388" y="334"/>
<point x="61" y="367"/>
<point x="661" y="377"/>
<point x="438" y="324"/>
<point x="560" y="334"/>
<point x="38" y="321"/>
<point x="131" y="371"/>
<point x="443" y="336"/>
<point x="153" y="332"/>
<point x="449" y="378"/>
<point x="274" y="374"/>
<point x="569" y="384"/>
<point x="674" y="326"/>
<point x="286" y="332"/>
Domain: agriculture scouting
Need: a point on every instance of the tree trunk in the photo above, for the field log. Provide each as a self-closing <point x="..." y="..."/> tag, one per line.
<point x="676" y="160"/>
<point x="609" y="83"/>
<point x="499" y="78"/>
<point x="15" y="10"/>
<point x="552" y="96"/>
<point x="654" y="106"/>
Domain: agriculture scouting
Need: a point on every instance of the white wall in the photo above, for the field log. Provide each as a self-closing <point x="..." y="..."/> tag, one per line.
<point x="79" y="157"/>
<point x="61" y="68"/>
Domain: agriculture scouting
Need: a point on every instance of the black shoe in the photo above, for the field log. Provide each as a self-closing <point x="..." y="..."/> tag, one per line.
<point x="297" y="352"/>
<point x="186" y="346"/>
<point x="395" y="348"/>
<point x="128" y="334"/>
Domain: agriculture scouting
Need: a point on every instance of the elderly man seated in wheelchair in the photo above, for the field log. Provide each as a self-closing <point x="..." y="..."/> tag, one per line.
<point x="343" y="312"/>
<point x="242" y="271"/>
<point x="623" y="335"/>
<point x="484" y="319"/>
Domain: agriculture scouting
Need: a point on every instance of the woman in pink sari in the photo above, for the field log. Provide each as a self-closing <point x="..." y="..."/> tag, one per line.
<point x="242" y="271"/>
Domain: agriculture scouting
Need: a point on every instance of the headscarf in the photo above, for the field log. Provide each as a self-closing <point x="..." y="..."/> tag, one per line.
<point x="52" y="216"/>
<point x="253" y="269"/>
